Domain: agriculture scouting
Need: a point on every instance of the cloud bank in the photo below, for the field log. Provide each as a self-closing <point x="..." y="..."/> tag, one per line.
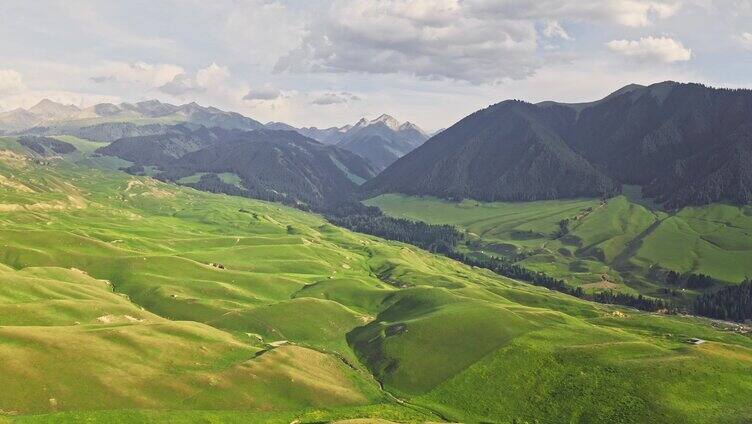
<point x="652" y="49"/>
<point x="477" y="41"/>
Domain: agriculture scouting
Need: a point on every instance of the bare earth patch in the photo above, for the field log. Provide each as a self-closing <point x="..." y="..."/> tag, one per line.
<point x="15" y="185"/>
<point x="147" y="188"/>
<point x="13" y="159"/>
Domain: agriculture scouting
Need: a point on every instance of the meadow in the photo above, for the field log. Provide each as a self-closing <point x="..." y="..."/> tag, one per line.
<point x="625" y="243"/>
<point x="124" y="299"/>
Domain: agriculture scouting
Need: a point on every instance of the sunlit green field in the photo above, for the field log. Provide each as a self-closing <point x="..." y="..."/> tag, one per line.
<point x="123" y="299"/>
<point x="614" y="245"/>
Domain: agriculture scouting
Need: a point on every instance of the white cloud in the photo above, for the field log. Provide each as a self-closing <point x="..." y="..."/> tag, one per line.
<point x="640" y="12"/>
<point x="263" y="93"/>
<point x="478" y="41"/>
<point x="746" y="40"/>
<point x="10" y="82"/>
<point x="211" y="78"/>
<point x="554" y="30"/>
<point x="85" y="16"/>
<point x="632" y="13"/>
<point x="652" y="49"/>
<point x="334" y="98"/>
<point x="376" y="48"/>
<point x="141" y="74"/>
<point x="258" y="31"/>
<point x="428" y="39"/>
<point x="181" y="84"/>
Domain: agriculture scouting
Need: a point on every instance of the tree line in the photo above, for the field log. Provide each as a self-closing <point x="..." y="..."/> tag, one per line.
<point x="370" y="220"/>
<point x="503" y="267"/>
<point x="689" y="280"/>
<point x="733" y="303"/>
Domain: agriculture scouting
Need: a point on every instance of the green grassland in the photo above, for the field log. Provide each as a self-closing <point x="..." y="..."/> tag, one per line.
<point x="123" y="299"/>
<point x="619" y="244"/>
<point x="226" y="177"/>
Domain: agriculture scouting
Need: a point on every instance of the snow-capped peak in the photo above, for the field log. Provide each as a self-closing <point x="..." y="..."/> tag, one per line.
<point x="409" y="126"/>
<point x="362" y="123"/>
<point x="387" y="120"/>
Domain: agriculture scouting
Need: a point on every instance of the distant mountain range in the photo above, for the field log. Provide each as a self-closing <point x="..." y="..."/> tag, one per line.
<point x="330" y="135"/>
<point x="267" y="164"/>
<point x="381" y="141"/>
<point x="682" y="143"/>
<point x="107" y="131"/>
<point x="107" y="120"/>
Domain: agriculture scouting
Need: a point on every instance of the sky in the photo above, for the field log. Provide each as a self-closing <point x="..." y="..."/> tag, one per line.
<point x="329" y="63"/>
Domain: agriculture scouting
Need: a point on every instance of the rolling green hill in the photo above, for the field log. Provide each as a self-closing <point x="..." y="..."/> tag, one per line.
<point x="619" y="244"/>
<point x="124" y="299"/>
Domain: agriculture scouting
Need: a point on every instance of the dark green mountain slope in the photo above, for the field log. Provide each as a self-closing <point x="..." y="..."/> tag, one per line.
<point x="683" y="143"/>
<point x="507" y="151"/>
<point x="163" y="149"/>
<point x="275" y="165"/>
<point x="45" y="146"/>
<point x="108" y="131"/>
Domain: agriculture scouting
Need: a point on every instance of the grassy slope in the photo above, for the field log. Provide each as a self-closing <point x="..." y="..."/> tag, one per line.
<point x="84" y="250"/>
<point x="82" y="145"/>
<point x="225" y="177"/>
<point x="616" y="242"/>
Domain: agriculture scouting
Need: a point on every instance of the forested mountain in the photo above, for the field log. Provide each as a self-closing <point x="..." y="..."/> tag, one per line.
<point x="683" y="143"/>
<point x="45" y="146"/>
<point x="272" y="165"/>
<point x="503" y="152"/>
<point x="164" y="148"/>
<point x="107" y="131"/>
